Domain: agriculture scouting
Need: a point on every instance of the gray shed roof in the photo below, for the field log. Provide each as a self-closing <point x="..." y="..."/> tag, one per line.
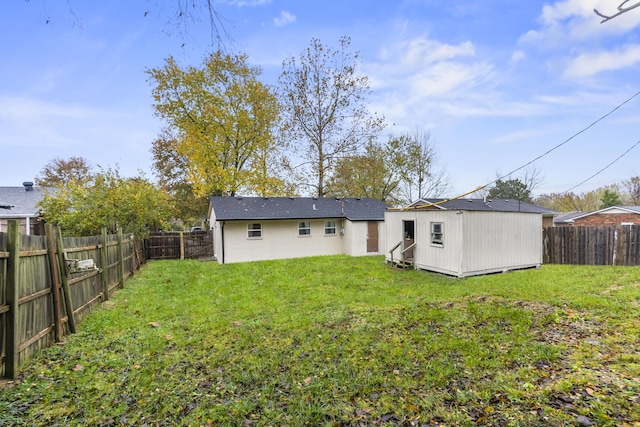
<point x="262" y="208"/>
<point x="495" y="205"/>
<point x="17" y="202"/>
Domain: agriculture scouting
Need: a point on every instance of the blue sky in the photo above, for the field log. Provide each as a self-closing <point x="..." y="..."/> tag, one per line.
<point x="496" y="83"/>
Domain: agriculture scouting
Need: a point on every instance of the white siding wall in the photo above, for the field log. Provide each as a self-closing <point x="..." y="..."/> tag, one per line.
<point x="393" y="230"/>
<point x="497" y="241"/>
<point x="355" y="234"/>
<point x="473" y="242"/>
<point x="279" y="240"/>
<point x="446" y="258"/>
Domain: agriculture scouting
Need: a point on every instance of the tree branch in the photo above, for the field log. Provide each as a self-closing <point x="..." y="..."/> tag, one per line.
<point x="621" y="9"/>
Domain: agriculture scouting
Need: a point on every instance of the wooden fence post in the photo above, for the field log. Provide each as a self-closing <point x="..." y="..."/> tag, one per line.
<point x="62" y="261"/>
<point x="104" y="264"/>
<point x="120" y="260"/>
<point x="13" y="283"/>
<point x="55" y="281"/>
<point x="182" y="245"/>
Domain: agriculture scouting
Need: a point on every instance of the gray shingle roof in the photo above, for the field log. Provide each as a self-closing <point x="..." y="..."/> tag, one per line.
<point x="496" y="205"/>
<point x="630" y="209"/>
<point x="567" y="217"/>
<point x="20" y="203"/>
<point x="262" y="208"/>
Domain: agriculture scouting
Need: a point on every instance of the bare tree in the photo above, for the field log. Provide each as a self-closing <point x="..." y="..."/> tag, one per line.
<point x="632" y="185"/>
<point x="325" y="110"/>
<point x="421" y="177"/>
<point x="621" y="9"/>
<point x="61" y="172"/>
<point x="179" y="14"/>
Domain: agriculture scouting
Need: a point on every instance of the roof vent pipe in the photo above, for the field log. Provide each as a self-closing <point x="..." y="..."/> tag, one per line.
<point x="28" y="186"/>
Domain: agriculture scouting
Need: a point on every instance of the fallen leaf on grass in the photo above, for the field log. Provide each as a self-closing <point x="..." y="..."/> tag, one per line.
<point x="307" y="380"/>
<point x="237" y="323"/>
<point x="154" y="324"/>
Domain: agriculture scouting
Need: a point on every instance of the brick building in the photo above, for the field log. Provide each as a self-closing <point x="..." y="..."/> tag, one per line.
<point x="614" y="215"/>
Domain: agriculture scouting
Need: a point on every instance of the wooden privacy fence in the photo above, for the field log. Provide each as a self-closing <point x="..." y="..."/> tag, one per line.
<point x="49" y="283"/>
<point x="601" y="245"/>
<point x="179" y="245"/>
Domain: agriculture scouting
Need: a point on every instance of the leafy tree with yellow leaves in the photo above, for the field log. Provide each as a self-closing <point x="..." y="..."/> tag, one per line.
<point x="223" y="118"/>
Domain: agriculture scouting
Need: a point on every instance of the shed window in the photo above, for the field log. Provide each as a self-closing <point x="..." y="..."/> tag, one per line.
<point x="330" y="228"/>
<point x="254" y="230"/>
<point x="437" y="233"/>
<point x="304" y="228"/>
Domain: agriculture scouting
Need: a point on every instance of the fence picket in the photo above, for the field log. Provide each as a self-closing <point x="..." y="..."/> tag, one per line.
<point x="595" y="245"/>
<point x="34" y="313"/>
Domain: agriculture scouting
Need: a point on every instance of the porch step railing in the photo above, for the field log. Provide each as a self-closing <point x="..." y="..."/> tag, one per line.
<point x="402" y="263"/>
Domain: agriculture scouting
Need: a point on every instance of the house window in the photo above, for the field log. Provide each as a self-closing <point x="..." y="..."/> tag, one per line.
<point x="437" y="233"/>
<point x="329" y="228"/>
<point x="254" y="230"/>
<point x="304" y="228"/>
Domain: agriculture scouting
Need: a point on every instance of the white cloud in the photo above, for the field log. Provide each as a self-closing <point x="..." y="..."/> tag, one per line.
<point x="517" y="56"/>
<point x="575" y="20"/>
<point x="284" y="18"/>
<point x="423" y="69"/>
<point x="589" y="64"/>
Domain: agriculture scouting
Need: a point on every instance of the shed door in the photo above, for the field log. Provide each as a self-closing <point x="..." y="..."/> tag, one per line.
<point x="372" y="236"/>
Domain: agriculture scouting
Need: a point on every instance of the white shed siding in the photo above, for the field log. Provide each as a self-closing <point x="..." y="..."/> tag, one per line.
<point x="279" y="240"/>
<point x="393" y="234"/>
<point x="500" y="241"/>
<point x="474" y="242"/>
<point x="445" y="258"/>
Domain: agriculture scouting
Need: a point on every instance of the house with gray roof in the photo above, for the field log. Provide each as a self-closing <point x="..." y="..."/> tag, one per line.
<point x="264" y="228"/>
<point x="566" y="218"/>
<point x="21" y="203"/>
<point x="614" y="215"/>
<point x="466" y="237"/>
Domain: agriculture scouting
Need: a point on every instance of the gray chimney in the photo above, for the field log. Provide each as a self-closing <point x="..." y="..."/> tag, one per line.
<point x="28" y="186"/>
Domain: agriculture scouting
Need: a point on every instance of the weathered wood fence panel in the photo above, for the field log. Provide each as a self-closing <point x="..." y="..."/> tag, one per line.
<point x="42" y="294"/>
<point x="179" y="245"/>
<point x="601" y="245"/>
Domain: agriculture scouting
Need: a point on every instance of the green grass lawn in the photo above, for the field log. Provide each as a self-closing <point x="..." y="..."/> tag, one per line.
<point x="342" y="341"/>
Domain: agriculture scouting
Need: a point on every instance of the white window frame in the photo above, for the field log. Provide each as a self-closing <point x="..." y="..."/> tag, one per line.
<point x="330" y="228"/>
<point x="437" y="234"/>
<point x="254" y="233"/>
<point x="302" y="227"/>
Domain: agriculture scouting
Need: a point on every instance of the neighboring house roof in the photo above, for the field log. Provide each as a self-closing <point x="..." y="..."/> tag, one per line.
<point x="263" y="208"/>
<point x="611" y="210"/>
<point x="20" y="202"/>
<point x="567" y="217"/>
<point x="495" y="205"/>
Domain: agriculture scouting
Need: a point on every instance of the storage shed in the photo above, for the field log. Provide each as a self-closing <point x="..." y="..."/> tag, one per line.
<point x="465" y="237"/>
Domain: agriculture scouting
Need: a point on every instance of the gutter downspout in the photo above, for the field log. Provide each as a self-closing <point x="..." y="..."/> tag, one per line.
<point x="222" y="241"/>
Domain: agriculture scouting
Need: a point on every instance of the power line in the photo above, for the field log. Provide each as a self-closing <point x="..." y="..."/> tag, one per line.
<point x="566" y="141"/>
<point x="604" y="168"/>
